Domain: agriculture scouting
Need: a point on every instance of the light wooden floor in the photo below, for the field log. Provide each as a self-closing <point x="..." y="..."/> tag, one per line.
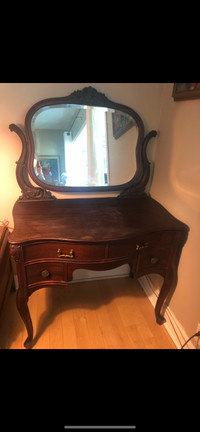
<point x="110" y="314"/>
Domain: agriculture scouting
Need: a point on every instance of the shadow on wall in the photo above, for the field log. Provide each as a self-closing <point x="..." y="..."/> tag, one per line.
<point x="184" y="168"/>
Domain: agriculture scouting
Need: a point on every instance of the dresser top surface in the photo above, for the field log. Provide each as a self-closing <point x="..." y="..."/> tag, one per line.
<point x="89" y="220"/>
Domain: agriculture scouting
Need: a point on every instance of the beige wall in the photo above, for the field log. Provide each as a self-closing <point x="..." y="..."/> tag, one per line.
<point x="176" y="185"/>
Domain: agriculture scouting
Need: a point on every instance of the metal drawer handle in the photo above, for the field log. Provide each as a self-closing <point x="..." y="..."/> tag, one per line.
<point x="138" y="247"/>
<point x="70" y="255"/>
<point x="154" y="260"/>
<point x="45" y="273"/>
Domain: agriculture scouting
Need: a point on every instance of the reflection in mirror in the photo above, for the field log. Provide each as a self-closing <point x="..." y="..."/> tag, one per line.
<point x="78" y="145"/>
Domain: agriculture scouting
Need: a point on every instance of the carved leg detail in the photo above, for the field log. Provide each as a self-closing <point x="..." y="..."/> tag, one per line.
<point x="21" y="300"/>
<point x="168" y="286"/>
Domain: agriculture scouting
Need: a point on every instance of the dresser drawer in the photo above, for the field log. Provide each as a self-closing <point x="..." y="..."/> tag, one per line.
<point x="46" y="271"/>
<point x="50" y="250"/>
<point x="154" y="251"/>
<point x="120" y="249"/>
<point x="153" y="260"/>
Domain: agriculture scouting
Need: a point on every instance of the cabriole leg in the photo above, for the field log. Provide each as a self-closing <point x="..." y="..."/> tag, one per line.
<point x="168" y="286"/>
<point x="21" y="301"/>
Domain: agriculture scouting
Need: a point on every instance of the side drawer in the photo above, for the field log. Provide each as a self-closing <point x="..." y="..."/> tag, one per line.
<point x="152" y="241"/>
<point x="50" y="250"/>
<point x="153" y="259"/>
<point x="45" y="271"/>
<point x="154" y="251"/>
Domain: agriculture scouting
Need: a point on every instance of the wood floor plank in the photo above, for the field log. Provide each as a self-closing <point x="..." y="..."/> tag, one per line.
<point x="102" y="314"/>
<point x="38" y="304"/>
<point x="81" y="329"/>
<point x="94" y="330"/>
<point x="69" y="332"/>
<point x="12" y="328"/>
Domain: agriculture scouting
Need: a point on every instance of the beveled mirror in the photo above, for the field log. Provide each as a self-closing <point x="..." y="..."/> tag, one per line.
<point x="83" y="146"/>
<point x="84" y="142"/>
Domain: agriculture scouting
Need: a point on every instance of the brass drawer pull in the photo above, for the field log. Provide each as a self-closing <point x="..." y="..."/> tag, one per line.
<point x="70" y="255"/>
<point x="138" y="247"/>
<point x="154" y="260"/>
<point x="45" y="274"/>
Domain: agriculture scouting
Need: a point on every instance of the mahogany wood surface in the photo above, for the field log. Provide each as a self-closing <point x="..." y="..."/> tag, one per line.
<point x="95" y="220"/>
<point x="102" y="233"/>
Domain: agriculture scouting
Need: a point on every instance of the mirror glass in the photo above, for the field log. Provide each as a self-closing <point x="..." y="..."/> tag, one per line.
<point x="80" y="145"/>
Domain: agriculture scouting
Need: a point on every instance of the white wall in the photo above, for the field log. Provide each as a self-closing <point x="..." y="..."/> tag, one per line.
<point x="176" y="185"/>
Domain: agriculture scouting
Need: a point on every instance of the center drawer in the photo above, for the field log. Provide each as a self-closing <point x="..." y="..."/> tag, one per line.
<point x="122" y="248"/>
<point x="50" y="250"/>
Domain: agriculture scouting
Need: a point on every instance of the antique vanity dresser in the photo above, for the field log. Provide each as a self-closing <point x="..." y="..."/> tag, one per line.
<point x="86" y="144"/>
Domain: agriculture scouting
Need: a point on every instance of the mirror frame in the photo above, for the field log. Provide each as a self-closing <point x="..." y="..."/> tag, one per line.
<point x="87" y="96"/>
<point x="91" y="97"/>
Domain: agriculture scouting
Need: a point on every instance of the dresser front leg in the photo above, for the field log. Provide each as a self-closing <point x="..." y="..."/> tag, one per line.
<point x="21" y="301"/>
<point x="168" y="287"/>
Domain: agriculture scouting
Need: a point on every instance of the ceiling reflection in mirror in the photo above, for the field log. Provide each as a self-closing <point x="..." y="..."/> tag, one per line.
<point x="79" y="145"/>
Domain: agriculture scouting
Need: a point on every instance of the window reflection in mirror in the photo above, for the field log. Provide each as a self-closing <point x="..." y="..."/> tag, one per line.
<point x="78" y="145"/>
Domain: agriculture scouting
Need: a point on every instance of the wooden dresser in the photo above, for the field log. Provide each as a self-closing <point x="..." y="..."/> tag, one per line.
<point x="53" y="237"/>
<point x="6" y="273"/>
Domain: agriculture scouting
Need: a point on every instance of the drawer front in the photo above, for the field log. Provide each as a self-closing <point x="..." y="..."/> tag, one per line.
<point x="153" y="259"/>
<point x="46" y="271"/>
<point x="50" y="250"/>
<point x="120" y="249"/>
<point x="146" y="245"/>
<point x="154" y="251"/>
<point x="159" y="240"/>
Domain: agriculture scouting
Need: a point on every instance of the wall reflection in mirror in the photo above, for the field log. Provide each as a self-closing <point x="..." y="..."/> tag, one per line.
<point x="78" y="145"/>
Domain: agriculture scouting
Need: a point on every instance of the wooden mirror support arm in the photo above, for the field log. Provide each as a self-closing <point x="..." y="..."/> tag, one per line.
<point x="29" y="192"/>
<point x="143" y="169"/>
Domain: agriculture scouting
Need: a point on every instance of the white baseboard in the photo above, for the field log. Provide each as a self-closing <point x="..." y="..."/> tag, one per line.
<point x="172" y="325"/>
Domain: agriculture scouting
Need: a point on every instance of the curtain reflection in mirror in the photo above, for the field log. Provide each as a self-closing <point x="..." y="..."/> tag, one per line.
<point x="86" y="154"/>
<point x="97" y="146"/>
<point x="75" y="159"/>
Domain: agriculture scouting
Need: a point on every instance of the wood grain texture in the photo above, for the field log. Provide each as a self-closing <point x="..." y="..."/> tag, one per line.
<point x="90" y="220"/>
